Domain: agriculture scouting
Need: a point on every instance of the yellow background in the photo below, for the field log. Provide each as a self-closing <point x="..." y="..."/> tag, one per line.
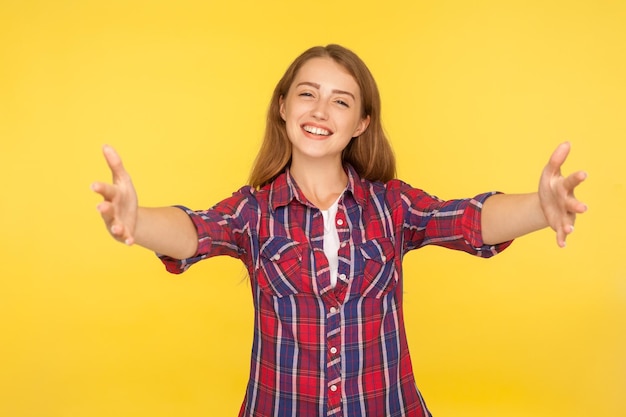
<point x="476" y="95"/>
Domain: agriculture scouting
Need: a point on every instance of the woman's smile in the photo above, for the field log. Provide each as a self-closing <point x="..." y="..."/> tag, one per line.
<point x="322" y="111"/>
<point x="317" y="131"/>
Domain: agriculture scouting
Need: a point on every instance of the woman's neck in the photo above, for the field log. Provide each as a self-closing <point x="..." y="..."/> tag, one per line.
<point x="321" y="183"/>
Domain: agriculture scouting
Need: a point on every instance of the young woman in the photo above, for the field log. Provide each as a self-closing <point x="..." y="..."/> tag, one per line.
<point x="322" y="229"/>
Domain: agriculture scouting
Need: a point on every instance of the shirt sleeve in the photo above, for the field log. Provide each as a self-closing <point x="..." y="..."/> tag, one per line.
<point x="224" y="229"/>
<point x="454" y="224"/>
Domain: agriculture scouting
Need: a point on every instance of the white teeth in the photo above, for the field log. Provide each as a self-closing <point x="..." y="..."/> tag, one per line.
<point x="316" y="130"/>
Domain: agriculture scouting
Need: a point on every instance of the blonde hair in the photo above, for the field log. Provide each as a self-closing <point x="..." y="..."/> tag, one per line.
<point x="370" y="154"/>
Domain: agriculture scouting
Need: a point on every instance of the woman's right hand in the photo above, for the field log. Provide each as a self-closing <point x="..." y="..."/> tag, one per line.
<point x="119" y="208"/>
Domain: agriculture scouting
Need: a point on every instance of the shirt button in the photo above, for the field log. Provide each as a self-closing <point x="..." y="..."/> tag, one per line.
<point x="384" y="258"/>
<point x="333" y="350"/>
<point x="277" y="257"/>
<point x="342" y="277"/>
<point x="333" y="310"/>
<point x="339" y="222"/>
<point x="333" y="388"/>
<point x="343" y="244"/>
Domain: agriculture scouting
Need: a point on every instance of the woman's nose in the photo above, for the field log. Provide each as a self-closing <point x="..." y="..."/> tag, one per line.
<point x="320" y="111"/>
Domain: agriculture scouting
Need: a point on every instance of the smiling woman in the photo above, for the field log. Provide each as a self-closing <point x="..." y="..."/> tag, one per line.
<point x="475" y="95"/>
<point x="356" y="85"/>
<point x="329" y="336"/>
<point x="321" y="119"/>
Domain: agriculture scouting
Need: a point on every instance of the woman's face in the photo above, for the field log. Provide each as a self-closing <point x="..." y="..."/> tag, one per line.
<point x="322" y="111"/>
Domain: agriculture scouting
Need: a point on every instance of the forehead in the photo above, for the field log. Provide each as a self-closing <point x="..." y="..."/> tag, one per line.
<point x="327" y="74"/>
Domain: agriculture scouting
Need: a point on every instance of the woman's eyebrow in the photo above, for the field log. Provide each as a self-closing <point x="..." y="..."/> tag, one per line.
<point x="317" y="86"/>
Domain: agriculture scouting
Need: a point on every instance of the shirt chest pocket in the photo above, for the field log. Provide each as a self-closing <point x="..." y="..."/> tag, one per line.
<point x="379" y="272"/>
<point x="280" y="266"/>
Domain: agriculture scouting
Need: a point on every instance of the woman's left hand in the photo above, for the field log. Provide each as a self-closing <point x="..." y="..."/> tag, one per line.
<point x="556" y="194"/>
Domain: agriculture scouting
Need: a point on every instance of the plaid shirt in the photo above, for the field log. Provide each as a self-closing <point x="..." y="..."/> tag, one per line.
<point x="319" y="350"/>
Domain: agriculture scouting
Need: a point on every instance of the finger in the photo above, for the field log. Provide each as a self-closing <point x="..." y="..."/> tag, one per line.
<point x="106" y="212"/>
<point x="560" y="238"/>
<point x="565" y="230"/>
<point x="574" y="180"/>
<point x="120" y="232"/>
<point x="558" y="157"/>
<point x="114" y="161"/>
<point x="562" y="233"/>
<point x="574" y="206"/>
<point x="107" y="191"/>
<point x="117" y="229"/>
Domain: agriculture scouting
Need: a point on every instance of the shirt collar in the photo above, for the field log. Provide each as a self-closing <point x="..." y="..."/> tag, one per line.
<point x="284" y="189"/>
<point x="356" y="186"/>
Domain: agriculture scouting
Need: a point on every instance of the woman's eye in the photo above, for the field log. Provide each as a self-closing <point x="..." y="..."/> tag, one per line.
<point x="305" y="94"/>
<point x="342" y="103"/>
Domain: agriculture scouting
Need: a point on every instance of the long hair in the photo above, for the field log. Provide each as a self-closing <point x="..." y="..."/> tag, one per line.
<point x="370" y="154"/>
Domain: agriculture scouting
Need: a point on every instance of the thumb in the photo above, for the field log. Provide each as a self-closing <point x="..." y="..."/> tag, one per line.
<point x="558" y="157"/>
<point x="114" y="162"/>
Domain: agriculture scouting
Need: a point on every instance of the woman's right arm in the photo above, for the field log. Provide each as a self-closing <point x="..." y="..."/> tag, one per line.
<point x="165" y="230"/>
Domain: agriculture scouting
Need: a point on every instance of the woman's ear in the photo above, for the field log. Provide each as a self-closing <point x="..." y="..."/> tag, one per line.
<point x="362" y="126"/>
<point x="281" y="107"/>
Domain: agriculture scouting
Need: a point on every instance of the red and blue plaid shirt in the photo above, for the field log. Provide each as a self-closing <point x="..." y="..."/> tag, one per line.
<point x="319" y="350"/>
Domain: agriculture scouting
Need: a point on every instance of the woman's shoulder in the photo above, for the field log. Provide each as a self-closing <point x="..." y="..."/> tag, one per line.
<point x="254" y="197"/>
<point x="391" y="186"/>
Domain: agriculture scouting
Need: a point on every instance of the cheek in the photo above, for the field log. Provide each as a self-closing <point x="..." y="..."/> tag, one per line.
<point x="291" y="128"/>
<point x="287" y="112"/>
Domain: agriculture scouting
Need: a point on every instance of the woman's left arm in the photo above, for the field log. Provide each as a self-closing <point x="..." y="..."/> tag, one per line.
<point x="508" y="216"/>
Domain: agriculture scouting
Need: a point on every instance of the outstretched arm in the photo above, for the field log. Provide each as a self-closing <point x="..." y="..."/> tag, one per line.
<point x="508" y="216"/>
<point x="166" y="230"/>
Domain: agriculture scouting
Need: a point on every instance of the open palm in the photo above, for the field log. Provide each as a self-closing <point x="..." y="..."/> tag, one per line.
<point x="556" y="194"/>
<point x="119" y="208"/>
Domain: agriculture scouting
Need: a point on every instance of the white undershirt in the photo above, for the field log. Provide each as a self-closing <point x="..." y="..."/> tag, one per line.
<point x="331" y="240"/>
